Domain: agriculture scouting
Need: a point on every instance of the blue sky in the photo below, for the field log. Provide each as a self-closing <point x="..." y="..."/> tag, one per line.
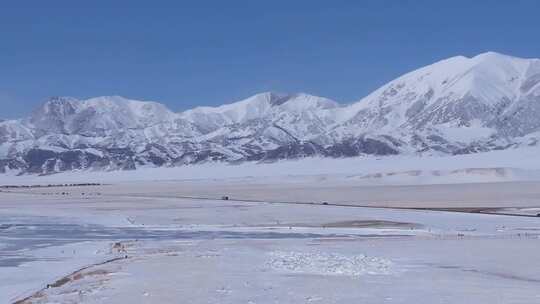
<point x="189" y="53"/>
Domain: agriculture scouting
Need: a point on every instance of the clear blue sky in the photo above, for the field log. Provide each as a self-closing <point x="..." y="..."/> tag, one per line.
<point x="189" y="53"/>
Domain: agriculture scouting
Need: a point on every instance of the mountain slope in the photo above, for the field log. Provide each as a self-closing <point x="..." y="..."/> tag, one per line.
<point x="458" y="105"/>
<point x="456" y="102"/>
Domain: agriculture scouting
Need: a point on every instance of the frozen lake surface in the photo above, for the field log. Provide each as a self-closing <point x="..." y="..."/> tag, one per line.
<point x="20" y="236"/>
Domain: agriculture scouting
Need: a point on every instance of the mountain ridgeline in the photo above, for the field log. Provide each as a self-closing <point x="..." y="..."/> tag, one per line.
<point x="455" y="106"/>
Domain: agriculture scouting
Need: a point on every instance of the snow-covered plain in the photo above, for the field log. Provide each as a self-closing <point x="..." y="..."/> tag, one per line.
<point x="161" y="235"/>
<point x="219" y="251"/>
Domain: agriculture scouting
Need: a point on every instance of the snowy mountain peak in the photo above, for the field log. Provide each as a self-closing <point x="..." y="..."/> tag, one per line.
<point x="53" y="113"/>
<point x="118" y="101"/>
<point x="489" y="77"/>
<point x="482" y="96"/>
<point x="273" y="98"/>
<point x="302" y="102"/>
<point x="142" y="110"/>
<point x="295" y="101"/>
<point x="491" y="55"/>
<point x="96" y="116"/>
<point x="456" y="105"/>
<point x="60" y="100"/>
<point x="256" y="107"/>
<point x="57" y="105"/>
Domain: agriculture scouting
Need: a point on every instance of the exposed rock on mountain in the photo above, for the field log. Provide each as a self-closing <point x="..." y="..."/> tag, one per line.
<point x="457" y="105"/>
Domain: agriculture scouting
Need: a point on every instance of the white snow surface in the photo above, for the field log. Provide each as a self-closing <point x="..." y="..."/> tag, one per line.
<point x="49" y="264"/>
<point x="504" y="165"/>
<point x="448" y="256"/>
<point x="320" y="263"/>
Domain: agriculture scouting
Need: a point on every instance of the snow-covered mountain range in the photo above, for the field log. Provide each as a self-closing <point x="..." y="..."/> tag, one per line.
<point x="454" y="106"/>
